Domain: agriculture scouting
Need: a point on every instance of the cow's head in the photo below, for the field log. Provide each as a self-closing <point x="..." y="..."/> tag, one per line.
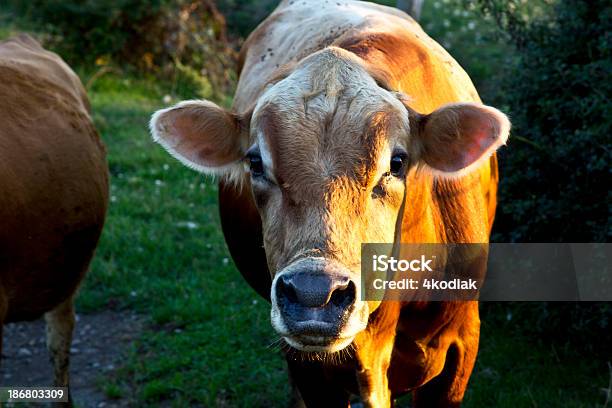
<point x="325" y="151"/>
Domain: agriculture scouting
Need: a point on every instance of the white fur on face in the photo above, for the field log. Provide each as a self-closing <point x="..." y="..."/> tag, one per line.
<point x="329" y="82"/>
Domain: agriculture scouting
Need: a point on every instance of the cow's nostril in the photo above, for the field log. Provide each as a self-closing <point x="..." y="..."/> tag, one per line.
<point x="343" y="297"/>
<point x="287" y="290"/>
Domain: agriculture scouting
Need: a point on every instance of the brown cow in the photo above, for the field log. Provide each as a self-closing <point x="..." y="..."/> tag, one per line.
<point x="349" y="125"/>
<point x="53" y="191"/>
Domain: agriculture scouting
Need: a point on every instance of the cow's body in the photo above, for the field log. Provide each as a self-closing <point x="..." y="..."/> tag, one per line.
<point x="449" y="211"/>
<point x="53" y="190"/>
<point x="356" y="128"/>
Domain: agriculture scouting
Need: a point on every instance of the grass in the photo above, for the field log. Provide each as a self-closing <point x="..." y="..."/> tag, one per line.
<point x="515" y="370"/>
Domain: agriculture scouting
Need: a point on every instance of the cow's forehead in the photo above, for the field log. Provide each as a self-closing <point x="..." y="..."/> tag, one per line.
<point x="324" y="83"/>
<point x="328" y="118"/>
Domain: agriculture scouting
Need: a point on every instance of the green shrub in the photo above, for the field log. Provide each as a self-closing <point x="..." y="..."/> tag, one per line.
<point x="179" y="40"/>
<point x="88" y="29"/>
<point x="555" y="173"/>
<point x="244" y="15"/>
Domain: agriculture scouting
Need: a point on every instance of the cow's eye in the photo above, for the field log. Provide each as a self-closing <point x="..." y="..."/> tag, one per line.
<point x="256" y="165"/>
<point x="398" y="164"/>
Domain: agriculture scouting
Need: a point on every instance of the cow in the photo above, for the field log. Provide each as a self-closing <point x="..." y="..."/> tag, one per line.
<point x="53" y="192"/>
<point x="349" y="125"/>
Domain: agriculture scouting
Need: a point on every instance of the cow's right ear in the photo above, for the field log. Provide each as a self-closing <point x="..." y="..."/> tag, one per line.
<point x="203" y="136"/>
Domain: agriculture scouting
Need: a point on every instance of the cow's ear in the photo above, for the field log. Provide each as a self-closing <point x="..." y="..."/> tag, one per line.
<point x="202" y="136"/>
<point x="457" y="138"/>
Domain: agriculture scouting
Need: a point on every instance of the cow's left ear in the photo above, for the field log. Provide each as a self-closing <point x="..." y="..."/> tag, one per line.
<point x="458" y="137"/>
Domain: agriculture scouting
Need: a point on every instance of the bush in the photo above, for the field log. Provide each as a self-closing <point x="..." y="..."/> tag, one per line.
<point x="181" y="40"/>
<point x="244" y="15"/>
<point x="555" y="173"/>
<point x="88" y="29"/>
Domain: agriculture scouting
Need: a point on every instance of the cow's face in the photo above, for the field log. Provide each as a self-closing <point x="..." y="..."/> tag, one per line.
<point x="326" y="151"/>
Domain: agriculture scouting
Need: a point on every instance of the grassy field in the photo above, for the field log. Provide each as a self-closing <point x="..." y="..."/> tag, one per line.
<point x="208" y="343"/>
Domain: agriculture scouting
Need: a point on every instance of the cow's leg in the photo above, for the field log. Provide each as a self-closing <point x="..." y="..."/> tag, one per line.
<point x="316" y="391"/>
<point x="372" y="377"/>
<point x="373" y="349"/>
<point x="1" y="334"/>
<point x="448" y="388"/>
<point x="60" y="325"/>
<point x="3" y="310"/>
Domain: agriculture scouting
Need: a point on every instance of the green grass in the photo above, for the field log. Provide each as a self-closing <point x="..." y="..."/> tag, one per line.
<point x="515" y="370"/>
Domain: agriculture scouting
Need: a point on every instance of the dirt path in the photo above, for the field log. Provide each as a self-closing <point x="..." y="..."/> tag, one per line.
<point x="99" y="343"/>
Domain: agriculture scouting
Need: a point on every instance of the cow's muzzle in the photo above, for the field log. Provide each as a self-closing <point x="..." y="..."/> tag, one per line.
<point x="315" y="306"/>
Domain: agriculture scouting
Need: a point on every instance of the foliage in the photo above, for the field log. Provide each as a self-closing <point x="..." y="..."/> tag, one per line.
<point x="180" y="40"/>
<point x="555" y="183"/>
<point x="244" y="15"/>
<point x="555" y="172"/>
